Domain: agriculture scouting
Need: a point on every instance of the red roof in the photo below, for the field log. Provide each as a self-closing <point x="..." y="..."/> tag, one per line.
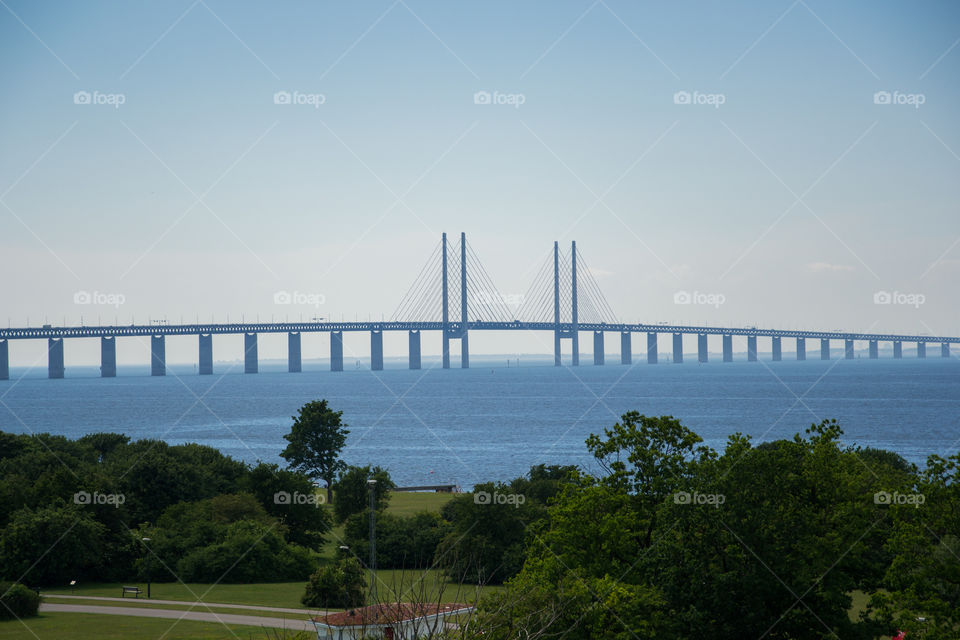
<point x="388" y="613"/>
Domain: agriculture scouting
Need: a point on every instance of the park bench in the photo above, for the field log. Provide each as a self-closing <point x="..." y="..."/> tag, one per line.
<point x="134" y="590"/>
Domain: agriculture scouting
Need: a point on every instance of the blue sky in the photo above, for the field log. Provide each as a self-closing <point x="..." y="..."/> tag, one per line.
<point x="798" y="198"/>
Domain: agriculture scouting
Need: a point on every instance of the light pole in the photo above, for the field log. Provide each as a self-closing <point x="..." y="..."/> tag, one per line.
<point x="146" y="540"/>
<point x="372" y="484"/>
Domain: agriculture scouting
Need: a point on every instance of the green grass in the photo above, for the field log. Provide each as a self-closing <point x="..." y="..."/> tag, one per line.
<point x="142" y="603"/>
<point x="429" y="586"/>
<point x="391" y="585"/>
<point x="407" y="503"/>
<point x="91" y="626"/>
<point x="275" y="594"/>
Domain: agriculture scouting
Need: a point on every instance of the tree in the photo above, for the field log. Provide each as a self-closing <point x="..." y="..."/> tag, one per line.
<point x="305" y="518"/>
<point x="51" y="546"/>
<point x="339" y="586"/>
<point x="403" y="542"/>
<point x="315" y="441"/>
<point x="353" y="492"/>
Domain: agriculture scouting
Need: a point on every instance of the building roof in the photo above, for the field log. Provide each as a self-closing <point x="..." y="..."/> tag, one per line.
<point x="388" y="613"/>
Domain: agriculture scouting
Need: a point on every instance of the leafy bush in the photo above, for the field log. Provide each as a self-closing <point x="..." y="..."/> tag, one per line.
<point x="402" y="542"/>
<point x="352" y="494"/>
<point x="17" y="601"/>
<point x="249" y="552"/>
<point x="30" y="534"/>
<point x="338" y="586"/>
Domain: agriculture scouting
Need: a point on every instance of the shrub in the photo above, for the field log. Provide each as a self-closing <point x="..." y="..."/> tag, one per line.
<point x="340" y="586"/>
<point x="17" y="601"/>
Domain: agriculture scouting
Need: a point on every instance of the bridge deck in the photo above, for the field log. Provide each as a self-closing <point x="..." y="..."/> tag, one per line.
<point x="26" y="333"/>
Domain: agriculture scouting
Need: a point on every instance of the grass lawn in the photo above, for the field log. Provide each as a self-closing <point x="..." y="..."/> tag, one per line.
<point x="89" y="626"/>
<point x="275" y="594"/>
<point x="407" y="503"/>
<point x="391" y="584"/>
<point x="142" y="603"/>
<point x="430" y="586"/>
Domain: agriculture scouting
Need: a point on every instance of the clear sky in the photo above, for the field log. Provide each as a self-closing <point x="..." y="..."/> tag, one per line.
<point x="735" y="149"/>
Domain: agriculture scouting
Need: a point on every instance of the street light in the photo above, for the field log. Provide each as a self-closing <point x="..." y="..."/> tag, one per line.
<point x="145" y="540"/>
<point x="372" y="484"/>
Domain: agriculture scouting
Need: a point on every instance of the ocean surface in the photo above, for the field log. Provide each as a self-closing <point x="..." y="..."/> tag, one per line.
<point x="491" y="422"/>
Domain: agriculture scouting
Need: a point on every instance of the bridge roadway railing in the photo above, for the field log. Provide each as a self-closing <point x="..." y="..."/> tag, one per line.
<point x="26" y="333"/>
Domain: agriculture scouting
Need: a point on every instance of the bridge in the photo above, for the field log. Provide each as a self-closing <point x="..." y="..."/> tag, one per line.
<point x="564" y="299"/>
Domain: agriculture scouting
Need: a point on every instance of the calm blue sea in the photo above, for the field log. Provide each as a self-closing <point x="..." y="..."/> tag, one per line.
<point x="492" y="422"/>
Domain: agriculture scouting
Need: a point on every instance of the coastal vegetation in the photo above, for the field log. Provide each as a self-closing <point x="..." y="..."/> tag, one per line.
<point x="808" y="537"/>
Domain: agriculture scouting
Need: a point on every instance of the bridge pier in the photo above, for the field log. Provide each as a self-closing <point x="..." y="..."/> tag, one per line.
<point x="678" y="347"/>
<point x="54" y="357"/>
<point x="727" y="348"/>
<point x="336" y="351"/>
<point x="801" y="348"/>
<point x="848" y="349"/>
<point x="158" y="355"/>
<point x="556" y="348"/>
<point x="921" y="349"/>
<point x="751" y="348"/>
<point x="598" y="347"/>
<point x="575" y="342"/>
<point x="4" y="359"/>
<point x="874" y="350"/>
<point x="775" y="347"/>
<point x="702" y="347"/>
<point x="206" y="354"/>
<point x="626" y="350"/>
<point x="824" y="348"/>
<point x="446" y="350"/>
<point x="376" y="350"/>
<point x="897" y="349"/>
<point x="944" y="353"/>
<point x="250" y="361"/>
<point x="108" y="357"/>
<point x="414" y="343"/>
<point x="651" y="347"/>
<point x="294" y="364"/>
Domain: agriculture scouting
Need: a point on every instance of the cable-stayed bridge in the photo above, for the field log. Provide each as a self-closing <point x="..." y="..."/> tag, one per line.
<point x="453" y="294"/>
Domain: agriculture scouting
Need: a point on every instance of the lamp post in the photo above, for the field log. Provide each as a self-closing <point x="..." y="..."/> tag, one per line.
<point x="145" y="540"/>
<point x="372" y="484"/>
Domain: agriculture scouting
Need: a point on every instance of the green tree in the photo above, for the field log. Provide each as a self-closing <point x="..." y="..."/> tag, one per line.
<point x="922" y="583"/>
<point x="306" y="519"/>
<point x="51" y="546"/>
<point x="17" y="601"/>
<point x="403" y="542"/>
<point x="315" y="441"/>
<point x="339" y="586"/>
<point x="353" y="493"/>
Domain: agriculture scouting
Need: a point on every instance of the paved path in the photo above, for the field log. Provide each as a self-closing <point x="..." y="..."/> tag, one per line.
<point x="198" y="605"/>
<point x="198" y="616"/>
